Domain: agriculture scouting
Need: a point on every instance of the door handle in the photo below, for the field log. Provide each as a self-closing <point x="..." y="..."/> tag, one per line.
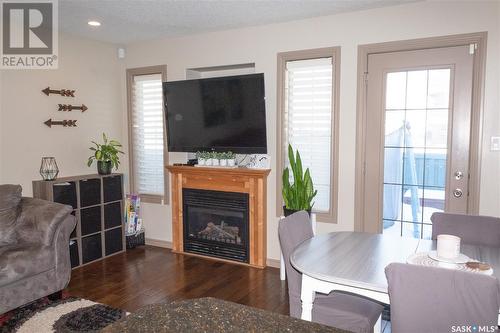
<point x="457" y="193"/>
<point x="459" y="175"/>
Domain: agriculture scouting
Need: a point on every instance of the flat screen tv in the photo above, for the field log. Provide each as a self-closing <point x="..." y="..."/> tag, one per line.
<point x="216" y="114"/>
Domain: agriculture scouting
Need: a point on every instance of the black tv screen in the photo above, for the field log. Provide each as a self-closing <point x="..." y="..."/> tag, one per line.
<point x="220" y="114"/>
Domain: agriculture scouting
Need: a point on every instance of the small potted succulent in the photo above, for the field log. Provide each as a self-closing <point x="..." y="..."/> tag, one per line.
<point x="215" y="158"/>
<point x="106" y="155"/>
<point x="223" y="159"/>
<point x="200" y="156"/>
<point x="231" y="159"/>
<point x="207" y="156"/>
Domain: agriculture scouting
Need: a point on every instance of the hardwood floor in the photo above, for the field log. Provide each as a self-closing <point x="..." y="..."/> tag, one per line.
<point x="148" y="275"/>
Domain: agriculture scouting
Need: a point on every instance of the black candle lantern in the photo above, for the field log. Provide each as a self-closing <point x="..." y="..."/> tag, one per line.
<point x="48" y="168"/>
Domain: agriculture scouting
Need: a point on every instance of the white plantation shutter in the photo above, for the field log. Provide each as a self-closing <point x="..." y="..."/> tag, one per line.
<point x="147" y="134"/>
<point x="308" y="121"/>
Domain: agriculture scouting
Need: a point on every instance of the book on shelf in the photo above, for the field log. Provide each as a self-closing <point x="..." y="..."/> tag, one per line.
<point x="133" y="222"/>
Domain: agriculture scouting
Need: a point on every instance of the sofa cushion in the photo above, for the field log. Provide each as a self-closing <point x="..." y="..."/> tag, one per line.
<point x="18" y="261"/>
<point x="10" y="198"/>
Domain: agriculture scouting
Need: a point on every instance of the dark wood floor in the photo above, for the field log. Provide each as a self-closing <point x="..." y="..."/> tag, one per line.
<point x="148" y="275"/>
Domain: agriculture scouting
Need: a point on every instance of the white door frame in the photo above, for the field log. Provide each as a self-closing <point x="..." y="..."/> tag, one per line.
<point x="479" y="40"/>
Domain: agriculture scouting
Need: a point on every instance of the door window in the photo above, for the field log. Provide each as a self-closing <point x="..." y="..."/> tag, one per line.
<point x="415" y="149"/>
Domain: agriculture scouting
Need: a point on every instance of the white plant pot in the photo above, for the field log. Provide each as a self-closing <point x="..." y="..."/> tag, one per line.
<point x="208" y="162"/>
<point x="223" y="163"/>
<point x="231" y="162"/>
<point x="202" y="161"/>
<point x="215" y="162"/>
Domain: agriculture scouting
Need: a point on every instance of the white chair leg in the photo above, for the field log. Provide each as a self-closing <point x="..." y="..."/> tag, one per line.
<point x="282" y="267"/>
<point x="378" y="325"/>
<point x="307" y="296"/>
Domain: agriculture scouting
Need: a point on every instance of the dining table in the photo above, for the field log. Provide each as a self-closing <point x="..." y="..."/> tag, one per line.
<point x="355" y="262"/>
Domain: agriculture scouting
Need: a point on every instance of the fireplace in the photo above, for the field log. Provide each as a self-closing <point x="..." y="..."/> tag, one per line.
<point x="216" y="224"/>
<point x="236" y="196"/>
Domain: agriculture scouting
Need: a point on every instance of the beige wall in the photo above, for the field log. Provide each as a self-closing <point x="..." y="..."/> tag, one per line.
<point x="89" y="67"/>
<point x="261" y="44"/>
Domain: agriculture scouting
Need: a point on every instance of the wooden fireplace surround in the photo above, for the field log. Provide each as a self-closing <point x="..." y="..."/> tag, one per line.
<point x="241" y="180"/>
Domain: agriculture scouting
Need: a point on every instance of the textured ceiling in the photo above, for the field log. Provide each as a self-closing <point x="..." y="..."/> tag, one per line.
<point x="126" y="21"/>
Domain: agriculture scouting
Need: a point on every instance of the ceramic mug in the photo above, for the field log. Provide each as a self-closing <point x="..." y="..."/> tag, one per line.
<point x="448" y="246"/>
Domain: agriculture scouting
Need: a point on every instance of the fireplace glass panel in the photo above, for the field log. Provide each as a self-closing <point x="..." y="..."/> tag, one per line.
<point x="216" y="225"/>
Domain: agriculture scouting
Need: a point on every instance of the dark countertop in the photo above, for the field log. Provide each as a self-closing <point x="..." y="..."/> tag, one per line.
<point x="211" y="315"/>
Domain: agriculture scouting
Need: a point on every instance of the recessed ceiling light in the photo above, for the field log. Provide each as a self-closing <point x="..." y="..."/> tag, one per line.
<point x="94" y="23"/>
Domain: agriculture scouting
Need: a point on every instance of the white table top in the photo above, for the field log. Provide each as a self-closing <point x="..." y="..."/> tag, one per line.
<point x="358" y="259"/>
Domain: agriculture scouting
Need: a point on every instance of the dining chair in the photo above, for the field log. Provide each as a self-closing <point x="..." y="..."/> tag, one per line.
<point x="337" y="309"/>
<point x="432" y="299"/>
<point x="472" y="229"/>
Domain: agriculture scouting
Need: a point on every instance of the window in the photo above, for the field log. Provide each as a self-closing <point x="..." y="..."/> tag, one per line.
<point x="148" y="154"/>
<point x="307" y="104"/>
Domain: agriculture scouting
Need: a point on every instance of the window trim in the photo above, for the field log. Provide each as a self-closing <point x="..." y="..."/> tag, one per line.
<point x="131" y="73"/>
<point x="283" y="57"/>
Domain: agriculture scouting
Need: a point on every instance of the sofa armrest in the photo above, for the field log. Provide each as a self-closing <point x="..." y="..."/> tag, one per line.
<point x="39" y="220"/>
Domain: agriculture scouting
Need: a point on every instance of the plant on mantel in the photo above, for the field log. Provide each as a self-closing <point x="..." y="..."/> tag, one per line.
<point x="298" y="195"/>
<point x="106" y="155"/>
<point x="216" y="159"/>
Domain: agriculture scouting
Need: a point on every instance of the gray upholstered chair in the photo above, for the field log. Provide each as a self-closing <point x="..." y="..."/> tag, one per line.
<point x="337" y="309"/>
<point x="472" y="229"/>
<point x="431" y="299"/>
<point x="34" y="247"/>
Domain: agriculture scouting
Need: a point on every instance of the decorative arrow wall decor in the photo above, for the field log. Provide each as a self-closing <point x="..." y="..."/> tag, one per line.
<point x="63" y="92"/>
<point x="64" y="123"/>
<point x="69" y="107"/>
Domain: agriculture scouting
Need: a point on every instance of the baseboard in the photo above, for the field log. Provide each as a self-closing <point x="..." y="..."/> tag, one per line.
<point x="168" y="245"/>
<point x="273" y="263"/>
<point x="159" y="243"/>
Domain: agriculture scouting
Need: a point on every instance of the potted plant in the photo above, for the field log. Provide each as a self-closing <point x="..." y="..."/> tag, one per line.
<point x="106" y="155"/>
<point x="200" y="156"/>
<point x="207" y="156"/>
<point x="215" y="158"/>
<point x="223" y="159"/>
<point x="299" y="195"/>
<point x="231" y="159"/>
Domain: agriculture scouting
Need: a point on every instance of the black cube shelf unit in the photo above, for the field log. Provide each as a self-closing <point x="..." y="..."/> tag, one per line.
<point x="97" y="202"/>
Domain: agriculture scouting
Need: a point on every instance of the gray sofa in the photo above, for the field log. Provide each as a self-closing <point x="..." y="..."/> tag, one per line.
<point x="34" y="247"/>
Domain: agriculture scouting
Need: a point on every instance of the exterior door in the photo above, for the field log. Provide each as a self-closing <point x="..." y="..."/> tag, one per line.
<point x="417" y="138"/>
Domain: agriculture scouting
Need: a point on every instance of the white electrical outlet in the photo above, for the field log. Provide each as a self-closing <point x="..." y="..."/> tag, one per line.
<point x="495" y="143"/>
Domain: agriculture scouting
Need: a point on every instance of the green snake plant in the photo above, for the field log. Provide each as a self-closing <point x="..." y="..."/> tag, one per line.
<point x="300" y="194"/>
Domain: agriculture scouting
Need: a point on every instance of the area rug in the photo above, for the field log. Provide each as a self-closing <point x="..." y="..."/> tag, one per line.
<point x="68" y="315"/>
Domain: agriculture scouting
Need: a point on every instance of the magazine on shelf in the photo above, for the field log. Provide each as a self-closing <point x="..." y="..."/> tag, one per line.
<point x="133" y="222"/>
